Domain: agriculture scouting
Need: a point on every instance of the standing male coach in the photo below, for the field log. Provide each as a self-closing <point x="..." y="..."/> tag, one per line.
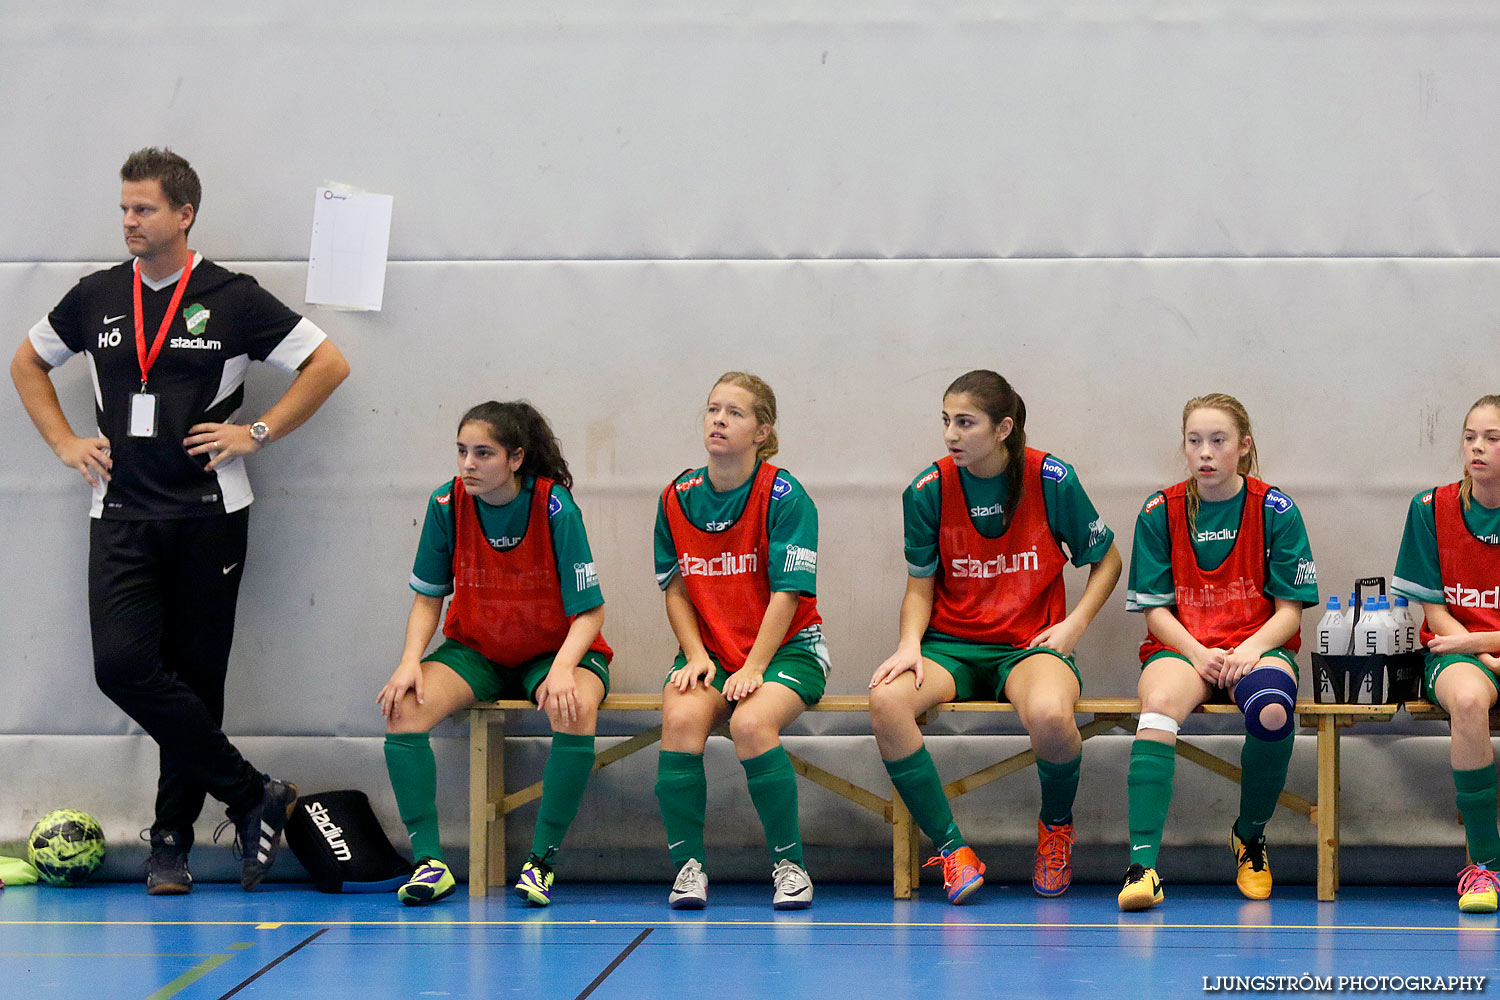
<point x="169" y="336"/>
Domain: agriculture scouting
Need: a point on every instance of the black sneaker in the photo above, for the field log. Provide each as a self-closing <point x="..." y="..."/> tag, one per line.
<point x="167" y="871"/>
<point x="258" y="832"/>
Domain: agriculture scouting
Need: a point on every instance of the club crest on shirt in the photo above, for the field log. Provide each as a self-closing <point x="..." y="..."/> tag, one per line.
<point x="196" y="318"/>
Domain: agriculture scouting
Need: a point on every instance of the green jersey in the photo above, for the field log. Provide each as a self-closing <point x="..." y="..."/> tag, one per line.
<point x="1418" y="575"/>
<point x="1290" y="570"/>
<point x="1071" y="516"/>
<point x="791" y="524"/>
<point x="504" y="525"/>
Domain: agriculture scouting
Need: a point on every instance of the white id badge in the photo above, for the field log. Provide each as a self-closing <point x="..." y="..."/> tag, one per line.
<point x="143" y="414"/>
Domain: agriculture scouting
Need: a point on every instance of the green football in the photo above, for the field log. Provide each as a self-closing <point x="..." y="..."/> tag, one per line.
<point x="65" y="846"/>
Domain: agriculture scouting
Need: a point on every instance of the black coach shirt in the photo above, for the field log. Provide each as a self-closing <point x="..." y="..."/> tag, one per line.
<point x="224" y="321"/>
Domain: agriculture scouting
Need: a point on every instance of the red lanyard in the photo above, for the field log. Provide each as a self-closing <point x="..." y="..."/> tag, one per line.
<point x="147" y="360"/>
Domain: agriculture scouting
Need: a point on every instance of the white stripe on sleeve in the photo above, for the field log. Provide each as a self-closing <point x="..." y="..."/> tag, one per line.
<point x="48" y="345"/>
<point x="297" y="346"/>
<point x="1419" y="592"/>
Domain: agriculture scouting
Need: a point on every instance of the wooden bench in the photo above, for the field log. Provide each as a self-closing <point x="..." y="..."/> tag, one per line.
<point x="490" y="802"/>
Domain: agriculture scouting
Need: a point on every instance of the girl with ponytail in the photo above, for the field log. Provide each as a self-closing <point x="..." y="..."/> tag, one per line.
<point x="985" y="616"/>
<point x="1222" y="570"/>
<point x="1450" y="561"/>
<point x="736" y="550"/>
<point x="506" y="540"/>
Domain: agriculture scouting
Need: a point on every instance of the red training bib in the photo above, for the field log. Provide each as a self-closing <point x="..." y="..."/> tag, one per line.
<point x="507" y="605"/>
<point x="997" y="590"/>
<point x="726" y="573"/>
<point x="1225" y="606"/>
<point x="1470" y="568"/>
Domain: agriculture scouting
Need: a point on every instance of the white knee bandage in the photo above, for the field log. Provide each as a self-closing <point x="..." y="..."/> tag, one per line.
<point x="1155" y="720"/>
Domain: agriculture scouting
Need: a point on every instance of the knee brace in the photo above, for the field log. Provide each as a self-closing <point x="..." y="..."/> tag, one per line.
<point x="1261" y="687"/>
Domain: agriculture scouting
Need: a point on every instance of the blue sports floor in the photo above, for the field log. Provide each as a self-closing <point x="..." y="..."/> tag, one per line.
<point x="621" y="941"/>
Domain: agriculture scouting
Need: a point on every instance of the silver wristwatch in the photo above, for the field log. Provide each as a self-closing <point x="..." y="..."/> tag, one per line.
<point x="260" y="433"/>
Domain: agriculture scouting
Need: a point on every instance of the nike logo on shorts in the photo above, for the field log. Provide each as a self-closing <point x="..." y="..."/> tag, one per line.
<point x="790" y="680"/>
<point x="230" y="568"/>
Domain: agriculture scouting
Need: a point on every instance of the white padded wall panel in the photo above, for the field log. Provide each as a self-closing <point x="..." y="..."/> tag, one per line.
<point x="664" y="130"/>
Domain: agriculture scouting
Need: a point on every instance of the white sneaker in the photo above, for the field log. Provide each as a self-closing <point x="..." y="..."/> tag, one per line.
<point x="793" y="888"/>
<point x="690" y="891"/>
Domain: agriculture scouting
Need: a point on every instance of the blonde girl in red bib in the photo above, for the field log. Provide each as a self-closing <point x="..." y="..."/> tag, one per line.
<point x="1450" y="561"/>
<point x="736" y="548"/>
<point x="1222" y="570"/>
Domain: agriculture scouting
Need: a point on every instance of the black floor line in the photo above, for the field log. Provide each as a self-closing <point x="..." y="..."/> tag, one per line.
<point x="611" y="967"/>
<point x="283" y="957"/>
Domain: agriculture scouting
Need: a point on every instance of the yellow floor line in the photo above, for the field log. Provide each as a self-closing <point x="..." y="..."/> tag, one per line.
<point x="196" y="973"/>
<point x="102" y="954"/>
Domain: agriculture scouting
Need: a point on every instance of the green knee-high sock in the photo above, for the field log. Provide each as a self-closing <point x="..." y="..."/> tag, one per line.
<point x="916" y="779"/>
<point x="1476" y="803"/>
<point x="773" y="790"/>
<point x="682" y="791"/>
<point x="1152" y="765"/>
<point x="1059" y="789"/>
<point x="413" y="770"/>
<point x="569" y="764"/>
<point x="1263" y="766"/>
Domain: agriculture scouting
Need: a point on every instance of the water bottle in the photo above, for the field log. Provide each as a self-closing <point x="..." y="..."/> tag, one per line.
<point x="1407" y="626"/>
<point x="1388" y="620"/>
<point x="1334" y="630"/>
<point x="1375" y="634"/>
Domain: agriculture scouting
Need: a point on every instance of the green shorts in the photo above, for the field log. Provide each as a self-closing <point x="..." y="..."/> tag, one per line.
<point x="801" y="665"/>
<point x="491" y="681"/>
<point x="1437" y="663"/>
<point x="1225" y="696"/>
<point x="980" y="669"/>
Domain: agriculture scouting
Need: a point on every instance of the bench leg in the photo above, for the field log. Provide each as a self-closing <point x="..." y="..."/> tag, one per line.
<point x="486" y="791"/>
<point x="904" y="867"/>
<point x="1328" y="808"/>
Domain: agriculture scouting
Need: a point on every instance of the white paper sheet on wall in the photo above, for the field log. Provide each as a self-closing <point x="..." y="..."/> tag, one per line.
<point x="351" y="235"/>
